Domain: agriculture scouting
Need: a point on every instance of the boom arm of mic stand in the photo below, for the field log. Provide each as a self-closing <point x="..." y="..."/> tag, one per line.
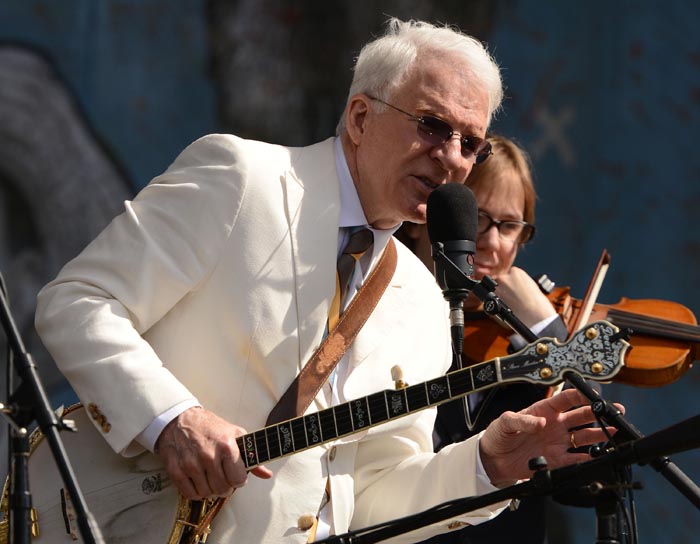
<point x="604" y="409"/>
<point x="441" y="512"/>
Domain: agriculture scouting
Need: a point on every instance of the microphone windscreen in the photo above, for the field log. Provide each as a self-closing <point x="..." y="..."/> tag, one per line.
<point x="452" y="213"/>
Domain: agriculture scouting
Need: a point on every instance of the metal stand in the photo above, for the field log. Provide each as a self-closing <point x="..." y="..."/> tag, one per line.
<point x="20" y="505"/>
<point x="591" y="475"/>
<point x="603" y="409"/>
<point x="30" y="403"/>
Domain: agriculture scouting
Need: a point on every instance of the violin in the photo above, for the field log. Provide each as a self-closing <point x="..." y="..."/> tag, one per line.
<point x="665" y="336"/>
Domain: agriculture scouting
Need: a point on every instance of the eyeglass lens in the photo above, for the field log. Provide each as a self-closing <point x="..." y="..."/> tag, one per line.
<point x="437" y="132"/>
<point x="508" y="230"/>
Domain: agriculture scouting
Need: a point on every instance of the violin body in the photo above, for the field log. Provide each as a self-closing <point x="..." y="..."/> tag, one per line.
<point x="664" y="336"/>
<point x="484" y="338"/>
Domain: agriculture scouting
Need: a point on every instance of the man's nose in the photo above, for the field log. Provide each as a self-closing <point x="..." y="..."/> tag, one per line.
<point x="449" y="154"/>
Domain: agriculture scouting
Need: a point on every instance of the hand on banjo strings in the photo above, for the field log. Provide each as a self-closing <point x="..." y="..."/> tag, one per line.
<point x="201" y="457"/>
<point x="543" y="429"/>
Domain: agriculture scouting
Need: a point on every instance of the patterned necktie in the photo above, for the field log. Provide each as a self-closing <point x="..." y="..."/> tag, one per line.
<point x="360" y="241"/>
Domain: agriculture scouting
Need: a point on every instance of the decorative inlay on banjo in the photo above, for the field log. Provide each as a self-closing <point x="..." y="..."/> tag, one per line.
<point x="126" y="495"/>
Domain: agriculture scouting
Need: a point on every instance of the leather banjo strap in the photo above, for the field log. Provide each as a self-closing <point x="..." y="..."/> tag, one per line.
<point x="297" y="398"/>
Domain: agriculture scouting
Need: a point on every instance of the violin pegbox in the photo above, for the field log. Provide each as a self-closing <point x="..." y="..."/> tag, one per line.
<point x="595" y="352"/>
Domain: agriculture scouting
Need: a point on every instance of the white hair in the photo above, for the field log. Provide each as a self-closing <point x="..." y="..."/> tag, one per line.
<point x="384" y="64"/>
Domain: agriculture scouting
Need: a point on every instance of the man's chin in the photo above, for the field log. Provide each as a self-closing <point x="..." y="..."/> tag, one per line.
<point x="419" y="214"/>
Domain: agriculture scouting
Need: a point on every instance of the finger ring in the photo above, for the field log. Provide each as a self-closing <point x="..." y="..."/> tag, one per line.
<point x="571" y="439"/>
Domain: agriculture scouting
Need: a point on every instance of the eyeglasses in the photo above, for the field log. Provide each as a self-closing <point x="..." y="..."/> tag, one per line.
<point x="510" y="230"/>
<point x="435" y="131"/>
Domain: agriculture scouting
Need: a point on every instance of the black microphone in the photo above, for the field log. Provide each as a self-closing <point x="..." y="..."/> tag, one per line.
<point x="452" y="216"/>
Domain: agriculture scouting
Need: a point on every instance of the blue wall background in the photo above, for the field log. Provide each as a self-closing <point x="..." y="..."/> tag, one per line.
<point x="138" y="68"/>
<point x="605" y="95"/>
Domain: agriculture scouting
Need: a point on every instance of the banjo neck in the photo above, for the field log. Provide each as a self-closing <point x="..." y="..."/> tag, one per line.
<point x="595" y="352"/>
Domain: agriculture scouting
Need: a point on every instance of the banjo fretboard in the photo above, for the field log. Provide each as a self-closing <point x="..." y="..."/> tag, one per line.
<point x="594" y="352"/>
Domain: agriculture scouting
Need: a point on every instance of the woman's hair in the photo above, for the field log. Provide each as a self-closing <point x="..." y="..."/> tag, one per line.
<point x="508" y="159"/>
<point x="385" y="63"/>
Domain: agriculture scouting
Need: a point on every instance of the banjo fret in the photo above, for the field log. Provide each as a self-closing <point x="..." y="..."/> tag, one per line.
<point x="378" y="408"/>
<point x="273" y="442"/>
<point x="416" y="397"/>
<point x="460" y="383"/>
<point x="328" y="428"/>
<point x="360" y="413"/>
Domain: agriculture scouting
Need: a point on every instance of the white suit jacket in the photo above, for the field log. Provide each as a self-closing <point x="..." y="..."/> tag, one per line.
<point x="215" y="284"/>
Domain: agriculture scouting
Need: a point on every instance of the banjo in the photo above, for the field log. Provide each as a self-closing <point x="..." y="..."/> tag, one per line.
<point x="133" y="500"/>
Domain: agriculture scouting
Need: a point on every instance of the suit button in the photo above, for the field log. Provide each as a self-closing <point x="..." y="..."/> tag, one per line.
<point x="306" y="521"/>
<point x="331" y="454"/>
<point x="457" y="525"/>
<point x="106" y="427"/>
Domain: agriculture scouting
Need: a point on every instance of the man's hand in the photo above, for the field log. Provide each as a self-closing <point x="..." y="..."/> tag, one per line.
<point x="544" y="428"/>
<point x="201" y="456"/>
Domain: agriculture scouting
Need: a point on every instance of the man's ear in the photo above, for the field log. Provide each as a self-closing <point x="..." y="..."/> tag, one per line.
<point x="355" y="117"/>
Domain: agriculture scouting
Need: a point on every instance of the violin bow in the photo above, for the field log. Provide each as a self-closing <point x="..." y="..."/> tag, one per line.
<point x="592" y="292"/>
<point x="587" y="304"/>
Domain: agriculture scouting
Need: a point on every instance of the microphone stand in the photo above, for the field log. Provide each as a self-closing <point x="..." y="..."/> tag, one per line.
<point x="456" y="297"/>
<point x="592" y="475"/>
<point x="602" y="408"/>
<point x="27" y="404"/>
<point x="543" y="482"/>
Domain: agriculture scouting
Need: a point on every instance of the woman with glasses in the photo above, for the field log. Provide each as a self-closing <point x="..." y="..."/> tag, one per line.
<point x="506" y="197"/>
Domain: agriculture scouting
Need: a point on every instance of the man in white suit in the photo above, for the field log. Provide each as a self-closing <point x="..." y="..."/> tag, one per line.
<point x="184" y="322"/>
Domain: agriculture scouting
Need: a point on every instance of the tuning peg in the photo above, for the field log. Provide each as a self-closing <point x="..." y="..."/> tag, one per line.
<point x="591" y="333"/>
<point x="545" y="284"/>
<point x="397" y="376"/>
<point x="622" y="334"/>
